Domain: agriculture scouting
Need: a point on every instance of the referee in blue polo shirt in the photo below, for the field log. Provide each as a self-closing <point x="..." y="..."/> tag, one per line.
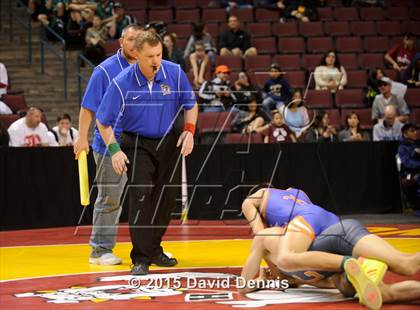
<point x="107" y="208"/>
<point x="144" y="101"/>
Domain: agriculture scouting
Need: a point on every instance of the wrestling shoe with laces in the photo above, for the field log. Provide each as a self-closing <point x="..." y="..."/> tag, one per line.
<point x="374" y="269"/>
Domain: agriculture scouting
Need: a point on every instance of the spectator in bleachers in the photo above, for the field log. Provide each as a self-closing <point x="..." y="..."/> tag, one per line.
<point x="43" y="9"/>
<point x="235" y="41"/>
<point x="277" y="90"/>
<point x="57" y="21"/>
<point x="175" y="54"/>
<point x="105" y="9"/>
<point x="412" y="73"/>
<point x="77" y="25"/>
<point x="330" y="75"/>
<point x="302" y="10"/>
<point x="200" y="34"/>
<point x="388" y="128"/>
<point x="4" y="109"/>
<point x="29" y="131"/>
<point x="409" y="154"/>
<point x="64" y="134"/>
<point x="248" y="121"/>
<point x="401" y="54"/>
<point x="120" y="21"/>
<point x="199" y="61"/>
<point x="352" y="131"/>
<point x="4" y="80"/>
<point x="295" y="114"/>
<point x="4" y="136"/>
<point x="95" y="39"/>
<point x="159" y="27"/>
<point x="273" y="4"/>
<point x="321" y="130"/>
<point x="278" y="131"/>
<point x="245" y="90"/>
<point x="375" y="75"/>
<point x="386" y="98"/>
<point x="228" y="5"/>
<point x="217" y="95"/>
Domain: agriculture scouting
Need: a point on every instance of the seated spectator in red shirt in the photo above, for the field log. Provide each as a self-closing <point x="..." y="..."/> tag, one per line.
<point x="401" y="55"/>
<point x="248" y="121"/>
<point x="412" y="73"/>
<point x="235" y="41"/>
<point x="352" y="131"/>
<point x="321" y="130"/>
<point x="278" y="131"/>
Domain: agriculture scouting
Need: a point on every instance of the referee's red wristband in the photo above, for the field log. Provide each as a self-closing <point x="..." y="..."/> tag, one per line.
<point x="189" y="127"/>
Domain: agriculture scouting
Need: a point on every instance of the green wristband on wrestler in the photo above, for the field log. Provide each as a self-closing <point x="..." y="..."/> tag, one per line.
<point x="113" y="148"/>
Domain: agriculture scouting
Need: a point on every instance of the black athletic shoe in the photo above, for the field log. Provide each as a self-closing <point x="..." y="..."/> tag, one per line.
<point x="139" y="269"/>
<point x="163" y="261"/>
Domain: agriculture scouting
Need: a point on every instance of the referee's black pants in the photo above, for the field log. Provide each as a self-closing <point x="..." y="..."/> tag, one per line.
<point x="154" y="179"/>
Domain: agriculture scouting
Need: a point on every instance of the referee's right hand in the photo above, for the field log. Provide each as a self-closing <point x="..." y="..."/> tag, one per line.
<point x="80" y="144"/>
<point x="119" y="162"/>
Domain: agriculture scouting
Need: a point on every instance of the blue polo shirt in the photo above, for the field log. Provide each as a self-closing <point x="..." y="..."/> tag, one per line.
<point x="99" y="81"/>
<point x="148" y="112"/>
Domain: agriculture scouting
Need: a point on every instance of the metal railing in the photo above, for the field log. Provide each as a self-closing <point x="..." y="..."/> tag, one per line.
<point x="80" y="77"/>
<point x="61" y="54"/>
<point x="25" y="22"/>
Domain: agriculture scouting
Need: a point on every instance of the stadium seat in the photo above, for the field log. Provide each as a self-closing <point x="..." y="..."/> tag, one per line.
<point x="406" y="3"/>
<point x="214" y="122"/>
<point x="376" y="44"/>
<point x="259" y="29"/>
<point x="356" y="79"/>
<point x="371" y="60"/>
<point x="181" y="30"/>
<point x="397" y="13"/>
<point x="282" y="30"/>
<point x="164" y="15"/>
<point x="185" y="4"/>
<point x="244" y="15"/>
<point x="258" y="63"/>
<point x="342" y="14"/>
<point x="415" y="116"/>
<point x="7" y="120"/>
<point x="233" y="77"/>
<point x="320" y="45"/>
<point x="348" y="61"/>
<point x="372" y="14"/>
<point x="365" y="117"/>
<point x="288" y="62"/>
<point x="311" y="29"/>
<point x="111" y="47"/>
<point x="412" y="26"/>
<point x="204" y="3"/>
<point x="319" y="99"/>
<point x="213" y="15"/>
<point x="187" y="16"/>
<point x="234" y="62"/>
<point x="263" y="15"/>
<point x="367" y="28"/>
<point x="140" y="15"/>
<point x="259" y="78"/>
<point x="296" y="79"/>
<point x="350" y="98"/>
<point x="389" y="28"/>
<point x="415" y="13"/>
<point x="337" y="28"/>
<point x="239" y="138"/>
<point x="325" y="14"/>
<point x="16" y="103"/>
<point x="291" y="45"/>
<point x="334" y="3"/>
<point x="335" y="119"/>
<point x="264" y="45"/>
<point x="160" y="4"/>
<point x="131" y="5"/>
<point x="349" y="44"/>
<point x="213" y="29"/>
<point x="310" y="62"/>
<point x="394" y="40"/>
<point x="392" y="74"/>
<point x="181" y="43"/>
<point x="412" y="97"/>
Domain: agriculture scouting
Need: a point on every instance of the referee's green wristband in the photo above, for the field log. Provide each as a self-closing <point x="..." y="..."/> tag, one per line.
<point x="113" y="148"/>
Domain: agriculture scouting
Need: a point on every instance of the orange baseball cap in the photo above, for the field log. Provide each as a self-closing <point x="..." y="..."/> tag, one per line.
<point x="222" y="69"/>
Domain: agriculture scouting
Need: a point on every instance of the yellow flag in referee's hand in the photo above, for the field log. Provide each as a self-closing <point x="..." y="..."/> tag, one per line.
<point x="83" y="179"/>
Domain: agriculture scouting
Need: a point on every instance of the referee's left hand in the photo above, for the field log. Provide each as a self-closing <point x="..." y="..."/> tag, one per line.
<point x="119" y="162"/>
<point x="187" y="141"/>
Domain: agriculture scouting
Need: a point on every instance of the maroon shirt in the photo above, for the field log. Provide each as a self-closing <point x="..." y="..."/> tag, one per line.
<point x="278" y="134"/>
<point x="402" y="56"/>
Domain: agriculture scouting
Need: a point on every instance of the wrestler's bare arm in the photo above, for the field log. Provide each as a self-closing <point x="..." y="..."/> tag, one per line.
<point x="252" y="264"/>
<point x="250" y="208"/>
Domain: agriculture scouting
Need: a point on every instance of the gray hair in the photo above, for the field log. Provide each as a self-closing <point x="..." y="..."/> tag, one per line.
<point x="148" y="37"/>
<point x="135" y="27"/>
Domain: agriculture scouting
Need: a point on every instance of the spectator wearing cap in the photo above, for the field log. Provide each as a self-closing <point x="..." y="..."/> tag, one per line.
<point x="409" y="154"/>
<point x="388" y="128"/>
<point x="277" y="90"/>
<point x="386" y="98"/>
<point x="375" y="75"/>
<point x="119" y="21"/>
<point x="235" y="41"/>
<point x="249" y="121"/>
<point x="175" y="54"/>
<point x="217" y="95"/>
<point x="401" y="54"/>
<point x="330" y="75"/>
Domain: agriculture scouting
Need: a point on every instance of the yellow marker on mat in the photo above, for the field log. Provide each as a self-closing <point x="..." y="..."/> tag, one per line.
<point x="83" y="179"/>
